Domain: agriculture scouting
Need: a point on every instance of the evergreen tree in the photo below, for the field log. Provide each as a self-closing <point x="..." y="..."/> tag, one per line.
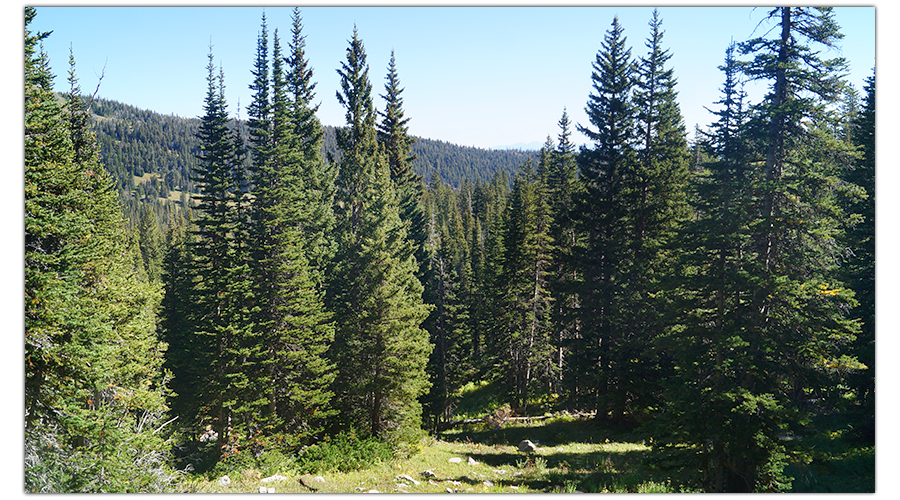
<point x="490" y="205"/>
<point x="93" y="382"/>
<point x="187" y="352"/>
<point x="393" y="135"/>
<point x="860" y="270"/>
<point x="151" y="244"/>
<point x="292" y="325"/>
<point x="450" y="365"/>
<point x="712" y="330"/>
<point x="318" y="176"/>
<point x="221" y="291"/>
<point x="658" y="206"/>
<point x="605" y="170"/>
<point x="526" y="311"/>
<point x="380" y="348"/>
<point x="770" y="317"/>
<point x="561" y="174"/>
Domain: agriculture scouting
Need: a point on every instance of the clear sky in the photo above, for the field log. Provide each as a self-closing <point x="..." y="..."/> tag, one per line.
<point x="475" y="76"/>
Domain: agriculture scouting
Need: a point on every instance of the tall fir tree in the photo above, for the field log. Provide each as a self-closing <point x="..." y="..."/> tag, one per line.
<point x="708" y="342"/>
<point x="293" y="328"/>
<point x="450" y="364"/>
<point x="770" y="319"/>
<point x="221" y="290"/>
<point x="658" y="206"/>
<point x="380" y="346"/>
<point x="605" y="170"/>
<point x="860" y="268"/>
<point x="561" y="176"/>
<point x="93" y="382"/>
<point x="526" y="263"/>
<point x="393" y="135"/>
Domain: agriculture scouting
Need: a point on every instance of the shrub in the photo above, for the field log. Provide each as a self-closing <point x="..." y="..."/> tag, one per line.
<point x="344" y="452"/>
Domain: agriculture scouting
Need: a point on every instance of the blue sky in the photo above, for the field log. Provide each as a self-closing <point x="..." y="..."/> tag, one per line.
<point x="477" y="76"/>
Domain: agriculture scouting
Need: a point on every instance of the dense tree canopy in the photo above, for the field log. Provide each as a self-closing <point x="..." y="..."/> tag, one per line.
<point x="258" y="287"/>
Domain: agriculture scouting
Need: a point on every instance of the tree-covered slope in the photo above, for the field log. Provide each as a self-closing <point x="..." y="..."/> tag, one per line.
<point x="151" y="154"/>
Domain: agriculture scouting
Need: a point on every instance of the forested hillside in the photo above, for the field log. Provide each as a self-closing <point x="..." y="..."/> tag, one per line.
<point x="338" y="292"/>
<point x="152" y="155"/>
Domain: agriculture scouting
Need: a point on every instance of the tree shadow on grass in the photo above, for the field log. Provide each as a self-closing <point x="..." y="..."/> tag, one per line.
<point x="552" y="433"/>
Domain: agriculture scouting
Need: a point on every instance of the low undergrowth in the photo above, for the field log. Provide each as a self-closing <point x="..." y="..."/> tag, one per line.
<point x="574" y="454"/>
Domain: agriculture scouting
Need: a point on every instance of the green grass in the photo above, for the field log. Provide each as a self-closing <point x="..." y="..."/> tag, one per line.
<point x="574" y="455"/>
<point x="597" y="462"/>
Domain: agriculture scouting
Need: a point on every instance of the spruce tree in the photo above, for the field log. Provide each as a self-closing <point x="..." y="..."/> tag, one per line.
<point x="221" y="291"/>
<point x="380" y="348"/>
<point x="712" y="329"/>
<point x="526" y="263"/>
<point x="658" y="206"/>
<point x="603" y="211"/>
<point x="560" y="172"/>
<point x="292" y="326"/>
<point x="769" y="323"/>
<point x="393" y="135"/>
<point x="151" y="244"/>
<point x="93" y="382"/>
<point x="450" y="365"/>
<point x="860" y="268"/>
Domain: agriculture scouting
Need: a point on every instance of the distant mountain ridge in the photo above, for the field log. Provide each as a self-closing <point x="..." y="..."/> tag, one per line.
<point x="151" y="154"/>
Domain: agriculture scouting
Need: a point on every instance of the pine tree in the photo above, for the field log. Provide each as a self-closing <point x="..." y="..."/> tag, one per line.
<point x="393" y="135"/>
<point x="293" y="328"/>
<point x="605" y="170"/>
<point x="526" y="264"/>
<point x="380" y="348"/>
<point x="93" y="382"/>
<point x="221" y="291"/>
<point x="860" y="269"/>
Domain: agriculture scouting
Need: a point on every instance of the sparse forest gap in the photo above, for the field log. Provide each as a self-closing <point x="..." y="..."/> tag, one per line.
<point x="214" y="295"/>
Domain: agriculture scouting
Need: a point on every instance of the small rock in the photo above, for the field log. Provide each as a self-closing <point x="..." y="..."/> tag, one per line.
<point x="456" y="483"/>
<point x="404" y="477"/>
<point x="472" y="461"/>
<point x="276" y="477"/>
<point x="527" y="446"/>
<point x="514" y="487"/>
<point x="499" y="471"/>
<point x="400" y="486"/>
<point x="224" y="480"/>
<point x="262" y="489"/>
<point x="318" y="479"/>
<point x="359" y="488"/>
<point x="488" y="483"/>
<point x="428" y="473"/>
<point x="373" y="491"/>
<point x="271" y="490"/>
<point x="455" y="460"/>
<point x="432" y="483"/>
<point x="449" y="490"/>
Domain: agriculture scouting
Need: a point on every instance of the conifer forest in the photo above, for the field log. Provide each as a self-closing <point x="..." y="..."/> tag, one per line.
<point x="213" y="291"/>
